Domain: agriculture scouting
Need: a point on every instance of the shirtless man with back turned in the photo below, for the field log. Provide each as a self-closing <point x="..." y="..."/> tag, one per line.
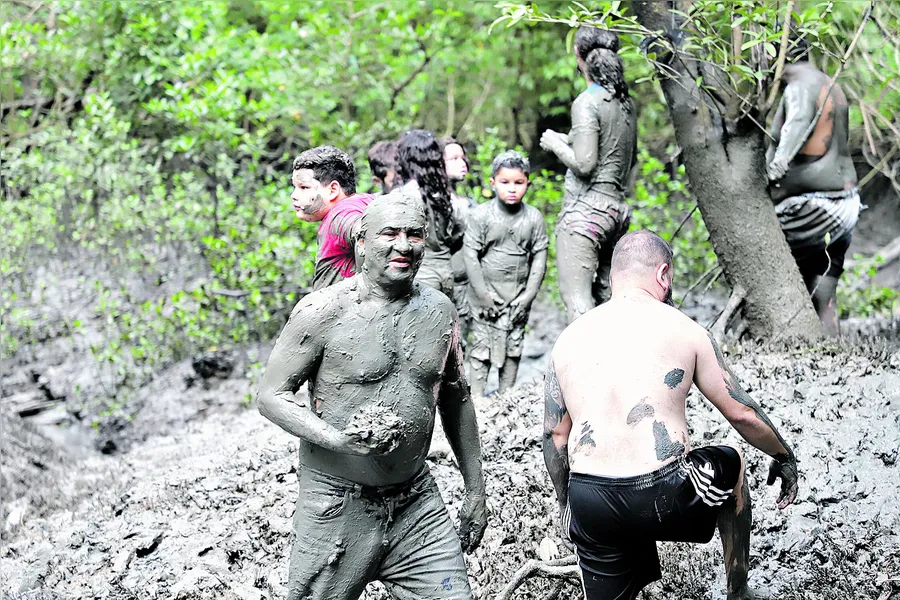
<point x="615" y="420"/>
<point x="381" y="353"/>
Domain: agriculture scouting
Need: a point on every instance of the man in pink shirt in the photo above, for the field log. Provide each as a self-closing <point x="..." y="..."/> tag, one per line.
<point x="324" y="182"/>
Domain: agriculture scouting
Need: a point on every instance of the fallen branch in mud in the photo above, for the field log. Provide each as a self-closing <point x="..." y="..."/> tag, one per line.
<point x="564" y="568"/>
<point x="888" y="254"/>
<point x="738" y="294"/>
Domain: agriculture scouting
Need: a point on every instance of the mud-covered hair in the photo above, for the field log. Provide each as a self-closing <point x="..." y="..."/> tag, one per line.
<point x="420" y="157"/>
<point x="382" y="158"/>
<point x="510" y="160"/>
<point x="641" y="249"/>
<point x="329" y="164"/>
<point x="597" y="48"/>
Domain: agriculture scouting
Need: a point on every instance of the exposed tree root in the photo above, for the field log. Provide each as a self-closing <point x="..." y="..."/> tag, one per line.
<point x="564" y="568"/>
<point x="738" y="294"/>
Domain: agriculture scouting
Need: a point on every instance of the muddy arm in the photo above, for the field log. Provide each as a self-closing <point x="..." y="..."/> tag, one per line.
<point x="775" y="132"/>
<point x="293" y="361"/>
<point x="536" y="275"/>
<point x="461" y="428"/>
<point x="473" y="268"/>
<point x="799" y="111"/>
<point x="719" y="384"/>
<point x="580" y="153"/>
<point x="557" y="426"/>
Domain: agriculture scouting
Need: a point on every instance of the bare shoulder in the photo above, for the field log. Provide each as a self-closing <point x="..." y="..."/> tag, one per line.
<point x="428" y="298"/>
<point x="326" y="304"/>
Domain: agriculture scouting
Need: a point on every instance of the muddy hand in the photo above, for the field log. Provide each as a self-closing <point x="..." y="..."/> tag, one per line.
<point x="550" y="139"/>
<point x="518" y="307"/>
<point x="472" y="522"/>
<point x="370" y="443"/>
<point x="777" y="168"/>
<point x="786" y="471"/>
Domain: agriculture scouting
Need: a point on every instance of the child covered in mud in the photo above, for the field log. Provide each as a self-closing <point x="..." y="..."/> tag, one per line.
<point x="505" y="252"/>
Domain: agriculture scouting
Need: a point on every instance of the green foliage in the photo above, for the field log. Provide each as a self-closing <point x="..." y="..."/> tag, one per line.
<point x="858" y="297"/>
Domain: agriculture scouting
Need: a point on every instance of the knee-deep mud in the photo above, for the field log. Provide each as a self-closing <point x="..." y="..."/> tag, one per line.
<point x="201" y="505"/>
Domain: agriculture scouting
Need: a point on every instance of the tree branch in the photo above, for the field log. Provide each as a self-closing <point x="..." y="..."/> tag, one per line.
<point x="782" y="55"/>
<point x="560" y="568"/>
<point x="412" y="76"/>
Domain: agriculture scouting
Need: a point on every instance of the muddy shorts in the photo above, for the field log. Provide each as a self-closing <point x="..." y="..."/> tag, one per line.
<point x="806" y="219"/>
<point x="490" y="344"/>
<point x="346" y="535"/>
<point x="615" y="522"/>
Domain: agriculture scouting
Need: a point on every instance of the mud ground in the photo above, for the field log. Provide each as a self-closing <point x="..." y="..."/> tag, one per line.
<point x="200" y="506"/>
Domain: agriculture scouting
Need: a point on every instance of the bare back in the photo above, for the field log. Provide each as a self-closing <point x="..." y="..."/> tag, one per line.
<point x="625" y="369"/>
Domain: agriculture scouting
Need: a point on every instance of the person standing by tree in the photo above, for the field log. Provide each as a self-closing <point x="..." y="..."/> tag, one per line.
<point x="616" y="434"/>
<point x="424" y="175"/>
<point x="812" y="179"/>
<point x="599" y="151"/>
<point x="457" y="164"/>
<point x="506" y="256"/>
<point x="324" y="181"/>
<point x="381" y="353"/>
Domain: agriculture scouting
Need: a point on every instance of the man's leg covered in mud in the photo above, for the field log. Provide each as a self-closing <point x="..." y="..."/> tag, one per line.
<point x="508" y="373"/>
<point x="601" y="290"/>
<point x="734" y="523"/>
<point x="424" y="558"/>
<point x="576" y="264"/>
<point x="478" y="376"/>
<point x="336" y="543"/>
<point x="515" y="341"/>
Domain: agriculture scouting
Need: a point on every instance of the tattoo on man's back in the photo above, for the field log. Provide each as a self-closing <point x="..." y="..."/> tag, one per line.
<point x="733" y="385"/>
<point x="586" y="438"/>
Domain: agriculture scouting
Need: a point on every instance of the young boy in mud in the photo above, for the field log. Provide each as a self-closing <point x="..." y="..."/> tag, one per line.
<point x="616" y="436"/>
<point x="505" y="249"/>
<point x="457" y="165"/>
<point x="324" y="181"/>
<point x="812" y="179"/>
<point x="383" y="164"/>
<point x="381" y="353"/>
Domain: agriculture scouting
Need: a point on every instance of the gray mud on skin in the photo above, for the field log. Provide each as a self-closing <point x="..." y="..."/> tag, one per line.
<point x="664" y="445"/>
<point x="673" y="378"/>
<point x="641" y="411"/>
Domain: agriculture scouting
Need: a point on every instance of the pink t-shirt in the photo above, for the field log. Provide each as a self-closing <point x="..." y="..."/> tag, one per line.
<point x="335" y="259"/>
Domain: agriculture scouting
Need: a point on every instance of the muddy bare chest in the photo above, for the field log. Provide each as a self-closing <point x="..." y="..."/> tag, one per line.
<point x="372" y="346"/>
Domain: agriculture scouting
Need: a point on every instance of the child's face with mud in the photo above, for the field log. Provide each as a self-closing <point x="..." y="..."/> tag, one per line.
<point x="510" y="185"/>
<point x="394" y="242"/>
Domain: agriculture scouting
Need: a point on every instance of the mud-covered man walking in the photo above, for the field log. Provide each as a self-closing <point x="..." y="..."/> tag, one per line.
<point x="381" y="353"/>
<point x="616" y="436"/>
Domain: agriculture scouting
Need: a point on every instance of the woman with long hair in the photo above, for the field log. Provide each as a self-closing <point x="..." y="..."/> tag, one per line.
<point x="424" y="175"/>
<point x="599" y="151"/>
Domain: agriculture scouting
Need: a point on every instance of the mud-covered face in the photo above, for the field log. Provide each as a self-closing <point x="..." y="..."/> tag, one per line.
<point x="312" y="200"/>
<point x="455" y="162"/>
<point x="394" y="243"/>
<point x="510" y="185"/>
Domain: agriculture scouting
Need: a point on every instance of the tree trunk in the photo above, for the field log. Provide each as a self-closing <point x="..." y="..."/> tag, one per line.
<point x="725" y="166"/>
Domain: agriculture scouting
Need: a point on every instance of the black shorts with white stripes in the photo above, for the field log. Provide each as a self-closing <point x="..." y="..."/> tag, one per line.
<point x="615" y="522"/>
